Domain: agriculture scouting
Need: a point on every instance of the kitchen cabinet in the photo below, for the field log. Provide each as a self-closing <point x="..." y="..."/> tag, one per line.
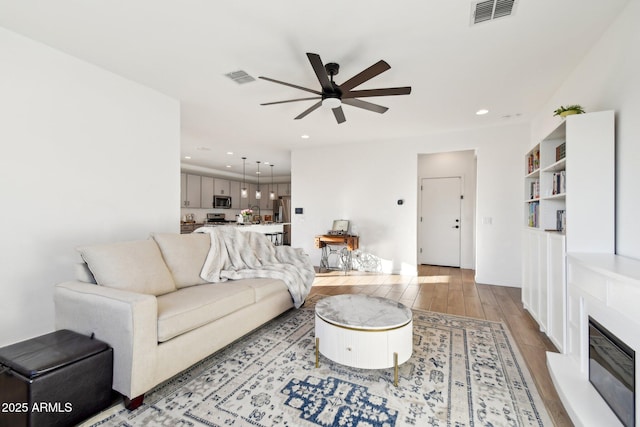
<point x="544" y="282"/>
<point x="197" y="192"/>
<point x="189" y="227"/>
<point x="252" y="201"/>
<point x="557" y="290"/>
<point x="207" y="192"/>
<point x="534" y="280"/>
<point x="221" y="187"/>
<point x="234" y="192"/>
<point x="190" y="186"/>
<point x="266" y="202"/>
<point x="283" y="189"/>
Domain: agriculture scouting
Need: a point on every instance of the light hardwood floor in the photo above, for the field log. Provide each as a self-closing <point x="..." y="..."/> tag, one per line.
<point x="454" y="291"/>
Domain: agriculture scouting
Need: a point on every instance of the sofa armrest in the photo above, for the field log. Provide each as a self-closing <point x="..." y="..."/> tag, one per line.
<point x="125" y="320"/>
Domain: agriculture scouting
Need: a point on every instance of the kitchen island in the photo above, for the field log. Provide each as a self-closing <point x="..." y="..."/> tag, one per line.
<point x="266" y="228"/>
<point x="271" y="229"/>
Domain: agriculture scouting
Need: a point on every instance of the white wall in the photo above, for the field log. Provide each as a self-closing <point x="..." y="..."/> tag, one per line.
<point x="85" y="157"/>
<point x="453" y="164"/>
<point x="609" y="79"/>
<point x="365" y="181"/>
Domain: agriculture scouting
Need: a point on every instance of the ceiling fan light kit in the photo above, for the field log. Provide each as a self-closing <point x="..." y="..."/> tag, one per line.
<point x="331" y="103"/>
<point x="333" y="95"/>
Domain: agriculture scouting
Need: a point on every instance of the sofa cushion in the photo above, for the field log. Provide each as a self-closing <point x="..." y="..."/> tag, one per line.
<point x="135" y="266"/>
<point x="184" y="255"/>
<point x="194" y="306"/>
<point x="264" y="288"/>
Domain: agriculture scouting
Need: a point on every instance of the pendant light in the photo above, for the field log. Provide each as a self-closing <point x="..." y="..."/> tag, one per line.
<point x="243" y="192"/>
<point x="258" y="192"/>
<point x="272" y="194"/>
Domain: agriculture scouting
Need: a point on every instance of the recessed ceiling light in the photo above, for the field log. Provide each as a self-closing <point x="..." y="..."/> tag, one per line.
<point x="187" y="157"/>
<point x="304" y="136"/>
<point x="228" y="166"/>
<point x="230" y="153"/>
<point x="482" y="112"/>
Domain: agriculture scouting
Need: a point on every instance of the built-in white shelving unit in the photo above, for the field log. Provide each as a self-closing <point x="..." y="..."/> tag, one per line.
<point x="569" y="196"/>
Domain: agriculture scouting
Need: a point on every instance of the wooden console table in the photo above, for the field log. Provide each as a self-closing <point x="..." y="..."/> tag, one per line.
<point x="347" y="243"/>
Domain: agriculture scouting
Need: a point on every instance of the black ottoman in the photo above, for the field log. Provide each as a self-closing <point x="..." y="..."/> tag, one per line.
<point x="58" y="379"/>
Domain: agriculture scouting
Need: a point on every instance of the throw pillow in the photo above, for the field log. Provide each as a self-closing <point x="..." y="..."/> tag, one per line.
<point x="135" y="266"/>
<point x="184" y="255"/>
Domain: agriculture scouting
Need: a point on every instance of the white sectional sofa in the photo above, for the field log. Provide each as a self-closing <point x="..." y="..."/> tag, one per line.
<point x="147" y="299"/>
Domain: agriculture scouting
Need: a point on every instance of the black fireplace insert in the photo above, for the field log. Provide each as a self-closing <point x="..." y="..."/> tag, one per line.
<point x="612" y="371"/>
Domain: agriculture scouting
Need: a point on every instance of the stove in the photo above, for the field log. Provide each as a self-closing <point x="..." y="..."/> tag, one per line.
<point x="216" y="218"/>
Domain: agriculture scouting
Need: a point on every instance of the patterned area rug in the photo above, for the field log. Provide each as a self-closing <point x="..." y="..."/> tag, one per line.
<point x="463" y="372"/>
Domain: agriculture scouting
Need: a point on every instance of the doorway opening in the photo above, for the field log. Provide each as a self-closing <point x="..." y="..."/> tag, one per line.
<point x="446" y="209"/>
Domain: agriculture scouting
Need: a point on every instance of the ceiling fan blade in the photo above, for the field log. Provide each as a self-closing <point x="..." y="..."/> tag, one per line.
<point x="377" y="92"/>
<point x="321" y="73"/>
<point x="339" y="114"/>
<point x="377" y="68"/>
<point x="291" y="100"/>
<point x="290" y="85"/>
<point x="308" y="110"/>
<point x="364" y="104"/>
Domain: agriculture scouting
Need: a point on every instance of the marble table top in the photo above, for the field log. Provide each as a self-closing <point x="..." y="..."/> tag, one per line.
<point x="363" y="312"/>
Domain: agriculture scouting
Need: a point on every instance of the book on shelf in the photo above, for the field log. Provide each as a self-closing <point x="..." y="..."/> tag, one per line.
<point x="559" y="183"/>
<point x="534" y="209"/>
<point x="561" y="221"/>
<point x="533" y="161"/>
<point x="534" y="189"/>
<point x="561" y="151"/>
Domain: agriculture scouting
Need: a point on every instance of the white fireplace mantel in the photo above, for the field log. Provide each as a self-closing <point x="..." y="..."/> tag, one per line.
<point x="607" y="288"/>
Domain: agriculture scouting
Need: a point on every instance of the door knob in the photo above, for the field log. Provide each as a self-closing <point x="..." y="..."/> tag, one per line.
<point x="456" y="226"/>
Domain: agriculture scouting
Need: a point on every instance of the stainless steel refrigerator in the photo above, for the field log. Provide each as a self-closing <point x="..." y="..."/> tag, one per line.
<point x="282" y="213"/>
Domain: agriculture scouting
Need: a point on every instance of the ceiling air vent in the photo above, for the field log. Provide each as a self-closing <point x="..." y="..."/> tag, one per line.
<point x="491" y="9"/>
<point x="240" y="77"/>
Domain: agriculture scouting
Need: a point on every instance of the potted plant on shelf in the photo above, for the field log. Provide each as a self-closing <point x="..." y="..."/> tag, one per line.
<point x="568" y="110"/>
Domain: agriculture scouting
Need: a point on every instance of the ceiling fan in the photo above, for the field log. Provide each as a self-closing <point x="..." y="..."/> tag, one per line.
<point x="334" y="95"/>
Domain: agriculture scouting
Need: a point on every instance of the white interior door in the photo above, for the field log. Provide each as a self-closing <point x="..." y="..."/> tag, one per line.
<point x="440" y="207"/>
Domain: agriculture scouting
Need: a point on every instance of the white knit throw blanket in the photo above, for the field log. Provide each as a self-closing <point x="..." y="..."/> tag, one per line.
<point x="238" y="254"/>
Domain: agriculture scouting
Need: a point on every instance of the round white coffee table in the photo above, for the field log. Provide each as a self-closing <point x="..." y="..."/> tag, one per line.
<point x="364" y="331"/>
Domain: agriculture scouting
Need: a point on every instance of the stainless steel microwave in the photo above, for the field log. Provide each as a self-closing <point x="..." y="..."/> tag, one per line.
<point x="222" y="202"/>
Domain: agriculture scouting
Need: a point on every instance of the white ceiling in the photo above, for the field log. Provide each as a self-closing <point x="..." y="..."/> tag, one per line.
<point x="510" y="66"/>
